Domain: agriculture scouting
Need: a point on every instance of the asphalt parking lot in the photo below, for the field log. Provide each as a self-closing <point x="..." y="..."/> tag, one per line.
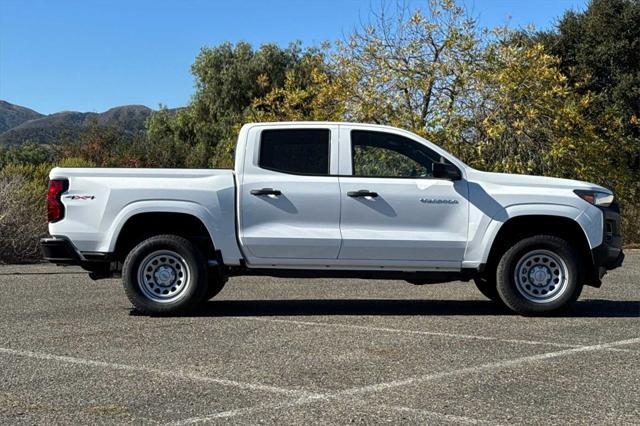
<point x="314" y="351"/>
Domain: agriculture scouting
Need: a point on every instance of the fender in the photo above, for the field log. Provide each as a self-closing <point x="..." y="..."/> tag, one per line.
<point x="223" y="239"/>
<point x="480" y="245"/>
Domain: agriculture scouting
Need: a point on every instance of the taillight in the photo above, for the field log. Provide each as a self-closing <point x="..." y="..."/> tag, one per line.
<point x="55" y="209"/>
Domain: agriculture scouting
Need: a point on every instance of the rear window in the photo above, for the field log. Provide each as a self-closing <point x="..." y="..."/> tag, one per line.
<point x="296" y="151"/>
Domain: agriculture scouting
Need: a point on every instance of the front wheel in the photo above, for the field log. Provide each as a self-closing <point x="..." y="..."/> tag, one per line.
<point x="164" y="274"/>
<point x="538" y="275"/>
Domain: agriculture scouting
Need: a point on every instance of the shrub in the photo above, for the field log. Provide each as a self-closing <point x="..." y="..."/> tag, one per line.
<point x="22" y="212"/>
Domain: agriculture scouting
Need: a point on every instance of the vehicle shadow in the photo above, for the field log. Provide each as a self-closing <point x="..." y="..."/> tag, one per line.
<point x="595" y="308"/>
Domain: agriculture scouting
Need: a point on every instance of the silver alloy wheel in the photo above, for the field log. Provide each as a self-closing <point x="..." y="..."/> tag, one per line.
<point x="163" y="276"/>
<point x="541" y="276"/>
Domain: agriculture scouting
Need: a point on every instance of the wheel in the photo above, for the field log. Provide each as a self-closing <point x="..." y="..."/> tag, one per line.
<point x="539" y="274"/>
<point x="165" y="274"/>
<point x="488" y="289"/>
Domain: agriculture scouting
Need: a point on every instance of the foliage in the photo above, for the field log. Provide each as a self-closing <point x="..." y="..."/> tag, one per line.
<point x="599" y="53"/>
<point x="26" y="153"/>
<point x="22" y="211"/>
<point x="228" y="79"/>
<point x="409" y="69"/>
<point x="310" y="92"/>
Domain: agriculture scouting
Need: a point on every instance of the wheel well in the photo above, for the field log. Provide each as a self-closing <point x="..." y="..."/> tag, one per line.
<point x="520" y="227"/>
<point x="144" y="225"/>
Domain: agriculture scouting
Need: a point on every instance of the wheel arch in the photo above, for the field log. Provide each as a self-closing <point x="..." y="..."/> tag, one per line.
<point x="519" y="226"/>
<point x="139" y="225"/>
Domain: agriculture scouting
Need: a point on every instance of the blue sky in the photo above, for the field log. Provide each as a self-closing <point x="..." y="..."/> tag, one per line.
<point x="90" y="55"/>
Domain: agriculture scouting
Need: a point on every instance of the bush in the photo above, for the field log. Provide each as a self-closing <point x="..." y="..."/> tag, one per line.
<point x="22" y="212"/>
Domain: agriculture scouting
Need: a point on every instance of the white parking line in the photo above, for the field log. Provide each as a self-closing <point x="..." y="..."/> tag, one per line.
<point x="171" y="374"/>
<point x="416" y="332"/>
<point x="350" y="394"/>
<point x="43" y="273"/>
<point x="279" y="406"/>
<point x="237" y="412"/>
<point x="486" y="367"/>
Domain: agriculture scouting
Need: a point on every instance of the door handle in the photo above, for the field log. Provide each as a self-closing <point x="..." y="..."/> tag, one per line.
<point x="362" y="193"/>
<point x="266" y="191"/>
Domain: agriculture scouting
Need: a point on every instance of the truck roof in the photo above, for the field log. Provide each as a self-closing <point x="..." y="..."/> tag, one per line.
<point x="320" y="123"/>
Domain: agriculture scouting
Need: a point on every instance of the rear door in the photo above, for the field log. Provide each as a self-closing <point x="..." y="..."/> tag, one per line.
<point x="289" y="194"/>
<point x="392" y="207"/>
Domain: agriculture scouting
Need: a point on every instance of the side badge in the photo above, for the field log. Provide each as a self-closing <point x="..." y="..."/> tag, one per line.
<point x="80" y="197"/>
<point x="438" y="201"/>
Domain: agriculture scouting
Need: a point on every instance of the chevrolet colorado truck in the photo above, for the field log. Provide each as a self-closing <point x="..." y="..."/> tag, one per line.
<point x="322" y="199"/>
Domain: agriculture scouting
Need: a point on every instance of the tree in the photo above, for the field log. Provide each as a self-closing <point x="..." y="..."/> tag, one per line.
<point x="25" y="153"/>
<point x="599" y="52"/>
<point x="228" y="79"/>
<point x="409" y="69"/>
<point x="311" y="91"/>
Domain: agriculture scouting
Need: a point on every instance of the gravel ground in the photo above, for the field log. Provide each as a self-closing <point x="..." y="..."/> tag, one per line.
<point x="275" y="351"/>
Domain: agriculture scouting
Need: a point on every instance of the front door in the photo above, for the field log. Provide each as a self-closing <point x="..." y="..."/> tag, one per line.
<point x="392" y="207"/>
<point x="289" y="195"/>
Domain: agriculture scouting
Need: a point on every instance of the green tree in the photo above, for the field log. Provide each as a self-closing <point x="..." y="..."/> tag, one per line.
<point x="228" y="79"/>
<point x="311" y="91"/>
<point x="599" y="52"/>
<point x="26" y="153"/>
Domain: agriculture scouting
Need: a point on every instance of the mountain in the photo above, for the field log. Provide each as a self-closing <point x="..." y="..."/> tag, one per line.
<point x="14" y="115"/>
<point x="66" y="125"/>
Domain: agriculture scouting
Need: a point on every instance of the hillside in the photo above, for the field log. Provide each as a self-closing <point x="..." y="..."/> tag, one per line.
<point x="66" y="125"/>
<point x="14" y="115"/>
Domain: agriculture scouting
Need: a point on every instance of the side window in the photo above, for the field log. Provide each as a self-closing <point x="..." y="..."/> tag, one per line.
<point x="378" y="154"/>
<point x="296" y="151"/>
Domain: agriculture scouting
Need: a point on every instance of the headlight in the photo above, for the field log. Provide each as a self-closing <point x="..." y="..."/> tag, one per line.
<point x="594" y="197"/>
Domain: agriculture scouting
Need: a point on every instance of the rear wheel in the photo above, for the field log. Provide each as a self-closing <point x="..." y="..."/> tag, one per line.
<point x="539" y="274"/>
<point x="165" y="274"/>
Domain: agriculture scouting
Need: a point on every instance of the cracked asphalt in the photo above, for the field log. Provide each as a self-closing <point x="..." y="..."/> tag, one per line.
<point x="322" y="351"/>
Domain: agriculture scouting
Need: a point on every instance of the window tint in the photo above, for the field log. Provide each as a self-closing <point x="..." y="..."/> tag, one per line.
<point x="297" y="151"/>
<point x="388" y="155"/>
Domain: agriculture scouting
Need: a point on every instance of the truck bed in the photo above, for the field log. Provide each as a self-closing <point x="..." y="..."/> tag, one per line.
<point x="101" y="200"/>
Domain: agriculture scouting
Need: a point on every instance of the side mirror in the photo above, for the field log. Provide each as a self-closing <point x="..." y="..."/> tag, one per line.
<point x="446" y="171"/>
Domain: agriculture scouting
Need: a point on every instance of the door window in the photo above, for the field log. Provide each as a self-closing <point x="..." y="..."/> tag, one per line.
<point x="378" y="154"/>
<point x="295" y="151"/>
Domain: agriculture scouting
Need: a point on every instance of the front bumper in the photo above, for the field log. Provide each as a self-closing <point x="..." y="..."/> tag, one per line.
<point x="61" y="251"/>
<point x="609" y="254"/>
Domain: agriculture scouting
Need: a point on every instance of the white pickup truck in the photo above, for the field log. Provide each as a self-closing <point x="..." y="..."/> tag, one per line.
<point x="321" y="199"/>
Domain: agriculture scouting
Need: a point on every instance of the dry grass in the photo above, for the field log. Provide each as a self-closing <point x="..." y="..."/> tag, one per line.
<point x="22" y="220"/>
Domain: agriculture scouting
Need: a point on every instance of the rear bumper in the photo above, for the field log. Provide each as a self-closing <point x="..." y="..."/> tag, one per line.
<point x="61" y="251"/>
<point x="609" y="254"/>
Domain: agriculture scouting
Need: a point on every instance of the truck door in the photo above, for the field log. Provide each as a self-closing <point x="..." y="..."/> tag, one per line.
<point x="392" y="206"/>
<point x="289" y="204"/>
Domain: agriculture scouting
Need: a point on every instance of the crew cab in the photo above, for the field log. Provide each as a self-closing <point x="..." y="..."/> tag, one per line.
<point x="323" y="199"/>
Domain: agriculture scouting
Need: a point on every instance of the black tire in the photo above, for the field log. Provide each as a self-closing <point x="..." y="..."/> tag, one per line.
<point x="560" y="281"/>
<point x="487" y="287"/>
<point x="141" y="290"/>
